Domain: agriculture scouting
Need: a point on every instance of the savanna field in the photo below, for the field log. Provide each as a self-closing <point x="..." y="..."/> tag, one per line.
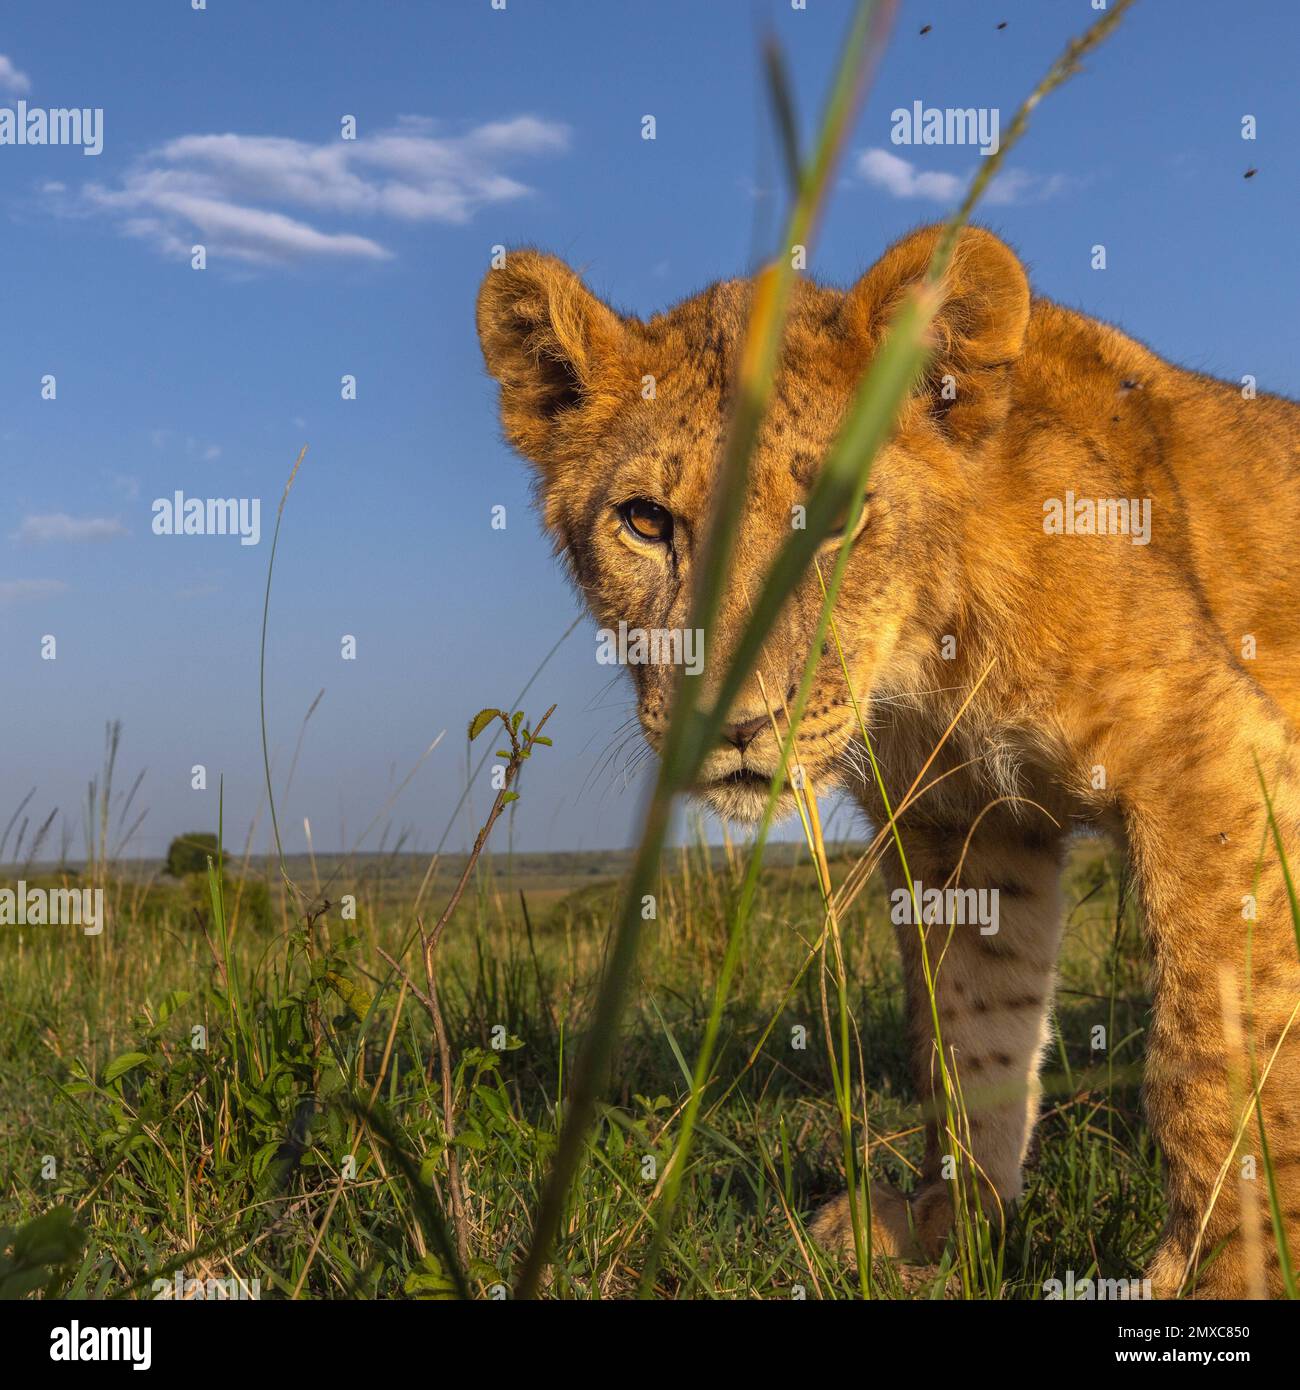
<point x="483" y="1073"/>
<point x="300" y="1138"/>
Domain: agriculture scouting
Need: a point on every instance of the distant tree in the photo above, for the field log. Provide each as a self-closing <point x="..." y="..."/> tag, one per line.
<point x="189" y="854"/>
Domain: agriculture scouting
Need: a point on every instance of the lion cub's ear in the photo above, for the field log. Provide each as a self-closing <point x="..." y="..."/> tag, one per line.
<point x="558" y="352"/>
<point x="978" y="334"/>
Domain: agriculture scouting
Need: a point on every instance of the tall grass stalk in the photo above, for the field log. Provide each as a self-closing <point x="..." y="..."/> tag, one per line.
<point x="261" y="666"/>
<point x="690" y="731"/>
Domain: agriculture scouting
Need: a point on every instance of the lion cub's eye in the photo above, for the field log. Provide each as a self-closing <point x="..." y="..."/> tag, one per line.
<point x="647" y="520"/>
<point x="838" y="532"/>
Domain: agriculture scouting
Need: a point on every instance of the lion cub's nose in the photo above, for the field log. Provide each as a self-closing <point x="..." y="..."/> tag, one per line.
<point x="741" y="735"/>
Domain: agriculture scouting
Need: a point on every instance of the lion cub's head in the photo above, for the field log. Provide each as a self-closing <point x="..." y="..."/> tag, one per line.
<point x="625" y="422"/>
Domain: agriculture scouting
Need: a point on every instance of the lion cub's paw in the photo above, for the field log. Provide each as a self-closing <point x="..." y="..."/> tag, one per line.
<point x="892" y="1230"/>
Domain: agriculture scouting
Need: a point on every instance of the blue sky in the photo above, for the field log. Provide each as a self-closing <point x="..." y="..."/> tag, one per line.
<point x="477" y="127"/>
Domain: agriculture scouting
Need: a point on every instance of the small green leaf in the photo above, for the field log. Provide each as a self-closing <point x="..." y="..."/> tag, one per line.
<point x="262" y="1157"/>
<point x="429" y="1280"/>
<point x="541" y="738"/>
<point x="260" y="1107"/>
<point x="509" y="797"/>
<point x="480" y="722"/>
<point x="168" y="1006"/>
<point x="119" y="1066"/>
<point x="353" y="995"/>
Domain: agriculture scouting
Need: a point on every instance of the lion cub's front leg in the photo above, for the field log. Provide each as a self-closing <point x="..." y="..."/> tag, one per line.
<point x="1227" y="1002"/>
<point x="994" y="973"/>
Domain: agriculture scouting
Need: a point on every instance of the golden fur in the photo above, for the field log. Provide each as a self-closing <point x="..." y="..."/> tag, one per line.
<point x="1134" y="688"/>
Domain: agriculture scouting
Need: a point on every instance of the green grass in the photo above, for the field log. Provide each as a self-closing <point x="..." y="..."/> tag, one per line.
<point x="222" y="1152"/>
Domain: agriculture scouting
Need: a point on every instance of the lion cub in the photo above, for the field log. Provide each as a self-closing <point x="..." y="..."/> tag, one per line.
<point x="1113" y="544"/>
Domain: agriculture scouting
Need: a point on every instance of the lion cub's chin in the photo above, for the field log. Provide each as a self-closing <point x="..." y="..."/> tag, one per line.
<point x="743" y="800"/>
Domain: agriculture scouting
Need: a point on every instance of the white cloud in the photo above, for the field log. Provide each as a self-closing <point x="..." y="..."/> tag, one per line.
<point x="11" y="80"/>
<point x="59" y="526"/>
<point x="1020" y="186"/>
<point x="230" y="192"/>
<point x="21" y="590"/>
<point x="900" y="178"/>
<point x="226" y="229"/>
